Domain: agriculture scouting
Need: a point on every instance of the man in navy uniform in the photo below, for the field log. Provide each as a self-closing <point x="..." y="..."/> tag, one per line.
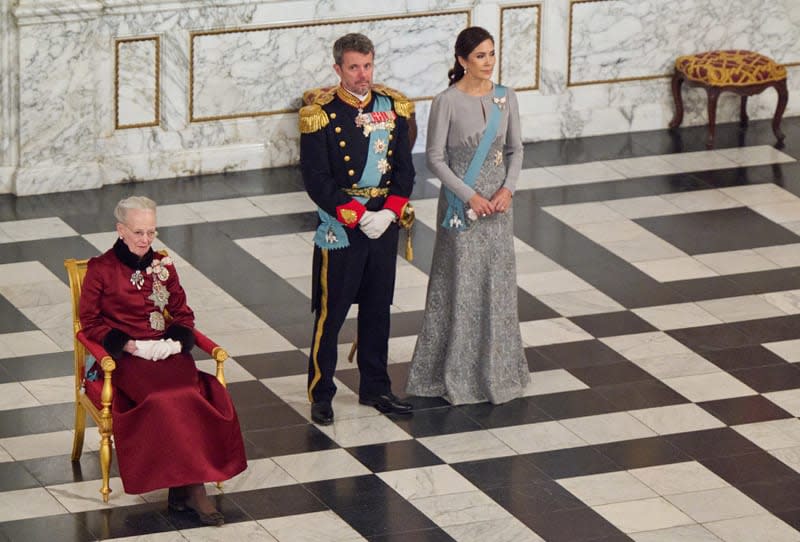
<point x="355" y="157"/>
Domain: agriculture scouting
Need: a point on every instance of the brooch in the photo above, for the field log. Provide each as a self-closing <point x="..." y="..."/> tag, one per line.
<point x="498" y="158"/>
<point x="499" y="102"/>
<point x="137" y="279"/>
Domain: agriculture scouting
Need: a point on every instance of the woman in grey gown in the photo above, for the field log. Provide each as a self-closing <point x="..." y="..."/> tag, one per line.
<point x="470" y="349"/>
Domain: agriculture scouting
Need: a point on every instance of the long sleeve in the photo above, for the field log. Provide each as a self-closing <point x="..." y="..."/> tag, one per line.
<point x="513" y="143"/>
<point x="89" y="311"/>
<point x="439" y="120"/>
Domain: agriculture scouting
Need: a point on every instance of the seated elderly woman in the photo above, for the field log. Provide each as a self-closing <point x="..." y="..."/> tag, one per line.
<point x="175" y="427"/>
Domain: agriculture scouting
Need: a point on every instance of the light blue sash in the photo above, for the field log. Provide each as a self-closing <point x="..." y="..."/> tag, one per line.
<point x="331" y="234"/>
<point x="455" y="218"/>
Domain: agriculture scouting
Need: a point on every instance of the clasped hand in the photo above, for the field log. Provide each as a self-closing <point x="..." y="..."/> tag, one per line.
<point x="482" y="207"/>
<point x="157" y="350"/>
<point x="374" y="223"/>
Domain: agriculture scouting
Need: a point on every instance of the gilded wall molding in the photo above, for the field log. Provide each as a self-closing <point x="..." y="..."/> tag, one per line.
<point x="194" y="35"/>
<point x="538" y="59"/>
<point x="572" y="83"/>
<point x="119" y="43"/>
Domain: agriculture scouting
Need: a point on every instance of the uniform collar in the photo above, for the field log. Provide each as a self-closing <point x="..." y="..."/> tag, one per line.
<point x="130" y="259"/>
<point x="351" y="99"/>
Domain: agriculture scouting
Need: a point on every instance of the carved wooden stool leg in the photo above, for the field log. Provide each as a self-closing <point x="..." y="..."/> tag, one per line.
<point x="783" y="98"/>
<point x="713" y="96"/>
<point x="677" y="82"/>
<point x="743" y="118"/>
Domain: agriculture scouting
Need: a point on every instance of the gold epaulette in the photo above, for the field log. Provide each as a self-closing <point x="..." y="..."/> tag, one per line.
<point x="312" y="119"/>
<point x="402" y="105"/>
<point x="321" y="95"/>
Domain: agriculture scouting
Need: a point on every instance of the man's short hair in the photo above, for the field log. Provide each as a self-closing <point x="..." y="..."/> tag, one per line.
<point x="352" y="42"/>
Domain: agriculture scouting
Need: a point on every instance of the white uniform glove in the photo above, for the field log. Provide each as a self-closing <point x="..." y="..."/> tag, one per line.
<point x="144" y="349"/>
<point x="377" y="223"/>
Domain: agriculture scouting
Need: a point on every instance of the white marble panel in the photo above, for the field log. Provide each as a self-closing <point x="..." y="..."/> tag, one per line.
<point x="619" y="39"/>
<point x="519" y="46"/>
<point x="137" y="82"/>
<point x="256" y="71"/>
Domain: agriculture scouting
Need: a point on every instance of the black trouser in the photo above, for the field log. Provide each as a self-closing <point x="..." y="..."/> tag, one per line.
<point x="362" y="273"/>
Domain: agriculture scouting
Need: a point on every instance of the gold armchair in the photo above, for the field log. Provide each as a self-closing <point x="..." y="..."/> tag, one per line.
<point x="94" y="397"/>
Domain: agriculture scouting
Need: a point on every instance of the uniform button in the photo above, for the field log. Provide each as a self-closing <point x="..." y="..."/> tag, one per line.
<point x="388" y="183"/>
<point x="391" y="137"/>
<point x="346" y="157"/>
<point x="355" y="185"/>
<point x="333" y="115"/>
<point x="338" y="129"/>
<point x="342" y="144"/>
<point x="390" y="152"/>
<point x="351" y="172"/>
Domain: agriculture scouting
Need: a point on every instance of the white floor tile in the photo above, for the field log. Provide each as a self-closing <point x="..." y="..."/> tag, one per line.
<point x="643" y="515"/>
<point x="782" y="212"/>
<point x="716" y="504"/>
<point x="26" y="343"/>
<point x="788" y="400"/>
<point x="645" y="249"/>
<point x="287" y="203"/>
<point x="757" y="194"/>
<point x="48" y="391"/>
<point x="583" y="213"/>
<point x="363" y="431"/>
<point x="37" y="228"/>
<point x="468" y="446"/>
<point x="676" y="316"/>
<point x="552" y="331"/>
<point x="755" y="155"/>
<point x="233" y="371"/>
<point x="762" y="528"/>
<point x="651" y="344"/>
<point x="249" y="531"/>
<point x="580" y="303"/>
<point x="534" y="262"/>
<point x="709" y="387"/>
<point x="737" y="261"/>
<point x="508" y="529"/>
<point x="47" y="444"/>
<point x="14" y="395"/>
<point x="426" y="481"/>
<point x="552" y="381"/>
<point x="460" y="508"/>
<point x="36" y="294"/>
<point x="699" y="160"/>
<point x="50" y="316"/>
<point x="28" y="503"/>
<point x="701" y="200"/>
<point x="176" y="215"/>
<point x="676" y="478"/>
<point x="538" y="178"/>
<point x="316" y="526"/>
<point x="680" y="267"/>
<point x="607" y="488"/>
<point x="781" y="255"/>
<point x="787" y="301"/>
<point x="225" y="209"/>
<point x="676" y="419"/>
<point x="590" y="172"/>
<point x="85" y="496"/>
<point x="643" y="207"/>
<point x="253" y="341"/>
<point x="736" y="309"/>
<point x="551" y="282"/>
<point x="321" y="465"/>
<point x="674" y="365"/>
<point x="613" y="230"/>
<point x="229" y="320"/>
<point x="538" y="437"/>
<point x="684" y="533"/>
<point x="644" y="166"/>
<point x="790" y="456"/>
<point x="772" y="435"/>
<point x="603" y="428"/>
<point x="401" y="349"/>
<point x="21" y="273"/>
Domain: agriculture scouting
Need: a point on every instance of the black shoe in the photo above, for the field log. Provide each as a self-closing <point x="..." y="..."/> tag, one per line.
<point x="176" y="498"/>
<point x="322" y="412"/>
<point x="387" y="403"/>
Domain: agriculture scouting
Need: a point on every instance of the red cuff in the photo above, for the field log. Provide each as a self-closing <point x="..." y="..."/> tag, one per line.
<point x="350" y="213"/>
<point x="396" y="204"/>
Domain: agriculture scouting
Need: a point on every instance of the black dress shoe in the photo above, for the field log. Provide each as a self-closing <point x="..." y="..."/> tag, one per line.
<point x="387" y="403"/>
<point x="176" y="498"/>
<point x="322" y="412"/>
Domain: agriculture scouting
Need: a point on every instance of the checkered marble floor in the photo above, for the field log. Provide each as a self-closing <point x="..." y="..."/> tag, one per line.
<point x="659" y="300"/>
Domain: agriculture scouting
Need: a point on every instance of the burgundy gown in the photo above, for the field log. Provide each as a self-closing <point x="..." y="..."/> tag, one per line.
<point x="173" y="425"/>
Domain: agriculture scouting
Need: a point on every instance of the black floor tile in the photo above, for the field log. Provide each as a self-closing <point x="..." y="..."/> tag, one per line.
<point x="759" y="466"/>
<point x="39" y="366"/>
<point x="13" y="475"/>
<point x="127" y="521"/>
<point x="572" y="462"/>
<point x="610" y="324"/>
<point x="744" y="357"/>
<point x="188" y="519"/>
<point x="277" y="501"/>
<point x="715" y="337"/>
<point x="581" y="354"/>
<point x="500" y="472"/>
<point x="579" y="525"/>
<point x="537" y="361"/>
<point x="275" y="364"/>
<point x="436" y="421"/>
<point x="287" y="440"/>
<point x="713" y="443"/>
<point x="749" y="409"/>
<point x="767" y="330"/>
<point x="427" y="535"/>
<point x="777" y="497"/>
<point x="252" y="394"/>
<point x="770" y="378"/>
<point x="65" y="527"/>
<point x="403" y="454"/>
<point x="534" y="499"/>
<point x="269" y="417"/>
<point x="573" y="404"/>
<point x="60" y="469"/>
<point x="623" y="372"/>
<point x="12" y="320"/>
<point x="516" y="412"/>
<point x="642" y="394"/>
<point x="646" y="452"/>
<point x="27" y="421"/>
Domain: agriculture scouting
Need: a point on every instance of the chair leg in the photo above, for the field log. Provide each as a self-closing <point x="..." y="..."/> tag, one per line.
<point x="713" y="96"/>
<point x="80" y="428"/>
<point x="783" y="98"/>
<point x="677" y="82"/>
<point x="743" y="118"/>
<point x="105" y="461"/>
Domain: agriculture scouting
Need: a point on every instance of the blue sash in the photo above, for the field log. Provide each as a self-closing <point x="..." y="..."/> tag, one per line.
<point x="331" y="234"/>
<point x="455" y="218"/>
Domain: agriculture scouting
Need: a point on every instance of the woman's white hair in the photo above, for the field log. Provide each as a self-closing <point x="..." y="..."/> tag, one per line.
<point x="133" y="202"/>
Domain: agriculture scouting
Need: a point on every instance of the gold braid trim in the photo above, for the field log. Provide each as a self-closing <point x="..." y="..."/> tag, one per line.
<point x="402" y="105"/>
<point x="321" y="95"/>
<point x="312" y="119"/>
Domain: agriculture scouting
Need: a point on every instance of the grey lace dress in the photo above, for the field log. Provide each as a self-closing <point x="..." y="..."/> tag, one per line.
<point x="470" y="349"/>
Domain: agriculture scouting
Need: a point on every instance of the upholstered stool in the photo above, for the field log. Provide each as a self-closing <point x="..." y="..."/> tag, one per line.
<point x="743" y="72"/>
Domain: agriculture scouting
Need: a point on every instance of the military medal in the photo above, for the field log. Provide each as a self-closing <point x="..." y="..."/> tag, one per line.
<point x="159" y="295"/>
<point x="157" y="321"/>
<point x="137" y="279"/>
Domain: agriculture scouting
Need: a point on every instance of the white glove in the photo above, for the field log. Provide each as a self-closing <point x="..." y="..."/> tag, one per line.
<point x="377" y="223"/>
<point x="366" y="218"/>
<point x="165" y="348"/>
<point x="144" y="349"/>
<point x="175" y="346"/>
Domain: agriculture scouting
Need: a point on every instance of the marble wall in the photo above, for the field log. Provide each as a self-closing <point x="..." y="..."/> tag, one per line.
<point x="95" y="92"/>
